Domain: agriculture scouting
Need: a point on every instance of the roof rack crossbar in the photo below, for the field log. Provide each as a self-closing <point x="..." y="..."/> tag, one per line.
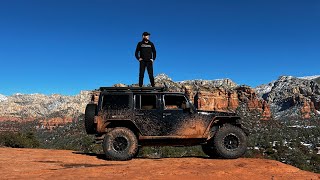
<point x="140" y="89"/>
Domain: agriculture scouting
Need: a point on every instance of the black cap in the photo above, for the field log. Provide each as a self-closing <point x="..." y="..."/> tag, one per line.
<point x="145" y="34"/>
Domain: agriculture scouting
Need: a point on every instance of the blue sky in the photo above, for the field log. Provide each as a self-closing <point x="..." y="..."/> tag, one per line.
<point x="64" y="46"/>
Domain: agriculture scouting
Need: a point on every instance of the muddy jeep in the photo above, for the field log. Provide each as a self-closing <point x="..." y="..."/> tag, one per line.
<point x="123" y="119"/>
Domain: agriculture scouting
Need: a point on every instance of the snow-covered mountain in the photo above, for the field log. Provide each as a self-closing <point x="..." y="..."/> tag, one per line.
<point x="43" y="106"/>
<point x="291" y="97"/>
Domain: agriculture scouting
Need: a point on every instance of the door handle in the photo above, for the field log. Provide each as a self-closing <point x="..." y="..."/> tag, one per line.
<point x="166" y="114"/>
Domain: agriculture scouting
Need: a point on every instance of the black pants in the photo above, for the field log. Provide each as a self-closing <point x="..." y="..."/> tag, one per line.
<point x="143" y="66"/>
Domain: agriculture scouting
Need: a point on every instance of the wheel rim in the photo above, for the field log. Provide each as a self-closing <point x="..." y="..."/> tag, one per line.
<point x="231" y="142"/>
<point x="120" y="144"/>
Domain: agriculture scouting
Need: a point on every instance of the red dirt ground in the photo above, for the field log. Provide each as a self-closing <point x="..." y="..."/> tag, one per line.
<point x="63" y="164"/>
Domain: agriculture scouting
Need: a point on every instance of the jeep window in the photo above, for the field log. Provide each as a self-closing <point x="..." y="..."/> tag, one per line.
<point x="174" y="102"/>
<point x="146" y="101"/>
<point x="115" y="101"/>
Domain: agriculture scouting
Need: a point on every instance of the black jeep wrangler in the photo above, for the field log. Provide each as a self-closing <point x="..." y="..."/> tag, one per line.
<point x="124" y="118"/>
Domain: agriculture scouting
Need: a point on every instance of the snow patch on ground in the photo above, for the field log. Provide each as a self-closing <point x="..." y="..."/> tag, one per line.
<point x="263" y="89"/>
<point x="306" y="144"/>
<point x="299" y="126"/>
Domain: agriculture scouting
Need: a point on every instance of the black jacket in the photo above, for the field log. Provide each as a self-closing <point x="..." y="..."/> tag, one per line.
<point x="146" y="51"/>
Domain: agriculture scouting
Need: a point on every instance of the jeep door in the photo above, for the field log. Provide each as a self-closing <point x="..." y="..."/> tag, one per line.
<point x="177" y="118"/>
<point x="148" y="114"/>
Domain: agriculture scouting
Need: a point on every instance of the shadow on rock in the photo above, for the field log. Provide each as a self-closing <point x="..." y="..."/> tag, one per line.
<point x="98" y="156"/>
<point x="151" y="157"/>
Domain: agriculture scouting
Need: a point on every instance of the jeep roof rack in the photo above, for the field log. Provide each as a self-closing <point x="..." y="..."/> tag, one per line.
<point x="140" y="89"/>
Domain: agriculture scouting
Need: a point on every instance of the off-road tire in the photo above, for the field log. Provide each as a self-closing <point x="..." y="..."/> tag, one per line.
<point x="89" y="118"/>
<point x="120" y="144"/>
<point x="230" y="142"/>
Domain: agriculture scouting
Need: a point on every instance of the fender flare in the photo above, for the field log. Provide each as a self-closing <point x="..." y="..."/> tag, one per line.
<point x="220" y="120"/>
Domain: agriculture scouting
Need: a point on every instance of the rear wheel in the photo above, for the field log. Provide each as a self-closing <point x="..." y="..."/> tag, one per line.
<point x="230" y="142"/>
<point x="120" y="144"/>
<point x="89" y="118"/>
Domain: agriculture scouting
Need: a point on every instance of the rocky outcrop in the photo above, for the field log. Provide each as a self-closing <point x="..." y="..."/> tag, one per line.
<point x="292" y="98"/>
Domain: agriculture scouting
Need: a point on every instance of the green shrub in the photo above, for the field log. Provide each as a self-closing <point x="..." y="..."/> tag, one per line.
<point x="71" y="136"/>
<point x="285" y="142"/>
<point x="19" y="140"/>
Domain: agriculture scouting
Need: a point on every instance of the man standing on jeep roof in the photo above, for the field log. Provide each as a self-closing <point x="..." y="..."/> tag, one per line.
<point x="146" y="55"/>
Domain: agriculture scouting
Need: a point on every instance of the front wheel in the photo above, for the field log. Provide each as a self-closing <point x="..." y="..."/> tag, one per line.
<point x="120" y="144"/>
<point x="230" y="142"/>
